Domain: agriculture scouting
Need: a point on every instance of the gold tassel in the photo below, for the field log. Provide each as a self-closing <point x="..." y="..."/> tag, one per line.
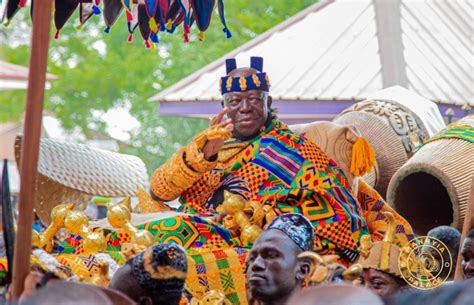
<point x="363" y="157"/>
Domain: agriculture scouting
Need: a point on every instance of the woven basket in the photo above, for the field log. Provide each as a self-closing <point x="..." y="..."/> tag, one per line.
<point x="70" y="172"/>
<point x="336" y="141"/>
<point x="432" y="188"/>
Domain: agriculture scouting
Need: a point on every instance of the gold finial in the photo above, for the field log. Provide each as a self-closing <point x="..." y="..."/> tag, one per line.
<point x="146" y="204"/>
<point x="392" y="227"/>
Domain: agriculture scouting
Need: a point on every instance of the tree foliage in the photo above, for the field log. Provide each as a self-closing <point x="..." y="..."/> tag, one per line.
<point x="98" y="72"/>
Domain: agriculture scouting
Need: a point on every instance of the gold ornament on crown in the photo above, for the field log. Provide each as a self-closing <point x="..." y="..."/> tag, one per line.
<point x="228" y="83"/>
<point x="242" y="83"/>
<point x="256" y="80"/>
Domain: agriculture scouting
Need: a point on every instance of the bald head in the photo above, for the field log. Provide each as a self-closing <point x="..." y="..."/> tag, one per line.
<point x="339" y="294"/>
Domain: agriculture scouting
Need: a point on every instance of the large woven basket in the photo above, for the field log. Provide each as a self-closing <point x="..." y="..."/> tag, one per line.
<point x="393" y="128"/>
<point x="69" y="172"/>
<point x="432" y="188"/>
<point x="336" y="141"/>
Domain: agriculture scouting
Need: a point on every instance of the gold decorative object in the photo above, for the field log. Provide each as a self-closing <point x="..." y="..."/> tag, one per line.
<point x="77" y="223"/>
<point x="58" y="216"/>
<point x="353" y="272"/>
<point x="260" y="213"/>
<point x="381" y="255"/>
<point x="35" y="239"/>
<point x="212" y="133"/>
<point x="129" y="250"/>
<point x="146" y="204"/>
<point x="102" y="278"/>
<point x="233" y="206"/>
<point x="119" y="217"/>
<point x="325" y="268"/>
<point x="212" y="297"/>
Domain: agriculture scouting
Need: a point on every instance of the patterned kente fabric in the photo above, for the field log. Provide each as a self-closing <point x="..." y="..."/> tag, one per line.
<point x="291" y="175"/>
<point x="373" y="206"/>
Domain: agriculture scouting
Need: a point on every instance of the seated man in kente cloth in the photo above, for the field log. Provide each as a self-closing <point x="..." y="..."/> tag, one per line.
<point x="253" y="154"/>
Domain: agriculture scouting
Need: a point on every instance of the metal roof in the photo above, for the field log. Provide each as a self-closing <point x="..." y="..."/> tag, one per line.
<point x="333" y="50"/>
<point x="16" y="77"/>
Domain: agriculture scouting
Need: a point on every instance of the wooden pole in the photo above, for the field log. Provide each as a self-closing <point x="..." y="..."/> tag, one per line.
<point x="32" y="132"/>
<point x="468" y="225"/>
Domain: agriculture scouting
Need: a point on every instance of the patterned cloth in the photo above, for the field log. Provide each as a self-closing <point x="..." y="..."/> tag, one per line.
<point x="290" y="174"/>
<point x="373" y="206"/>
<point x="221" y="270"/>
<point x="456" y="131"/>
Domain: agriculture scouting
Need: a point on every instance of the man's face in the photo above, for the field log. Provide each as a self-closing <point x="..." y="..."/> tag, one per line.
<point x="380" y="282"/>
<point x="272" y="266"/>
<point x="467" y="253"/>
<point x="248" y="110"/>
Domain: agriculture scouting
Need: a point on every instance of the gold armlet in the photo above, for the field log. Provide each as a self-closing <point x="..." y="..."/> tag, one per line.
<point x="173" y="177"/>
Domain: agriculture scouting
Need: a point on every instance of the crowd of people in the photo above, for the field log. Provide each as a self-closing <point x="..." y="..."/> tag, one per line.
<point x="312" y="230"/>
<point x="276" y="273"/>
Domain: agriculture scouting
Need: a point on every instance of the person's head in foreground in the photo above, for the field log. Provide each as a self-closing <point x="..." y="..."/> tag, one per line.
<point x="336" y="294"/>
<point x="154" y="277"/>
<point x="68" y="293"/>
<point x="380" y="262"/>
<point x="274" y="271"/>
<point x="451" y="237"/>
<point x="457" y="293"/>
<point x="245" y="95"/>
<point x="467" y="253"/>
